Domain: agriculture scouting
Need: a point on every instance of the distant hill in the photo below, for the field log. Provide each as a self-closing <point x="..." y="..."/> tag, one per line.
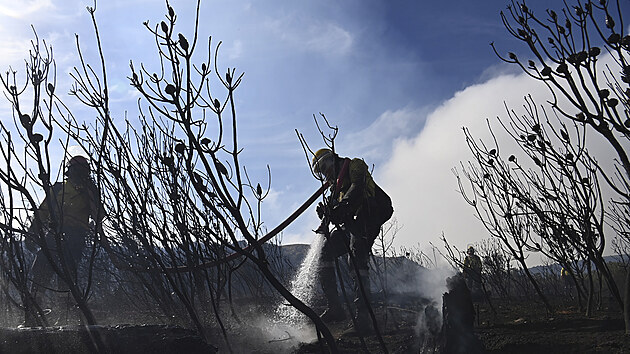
<point x="555" y="268"/>
<point x="294" y="254"/>
<point x="393" y="276"/>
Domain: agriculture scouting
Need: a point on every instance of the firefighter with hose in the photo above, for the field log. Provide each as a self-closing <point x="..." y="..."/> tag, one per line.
<point x="357" y="208"/>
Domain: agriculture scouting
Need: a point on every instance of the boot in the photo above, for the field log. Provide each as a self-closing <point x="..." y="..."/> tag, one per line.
<point x="362" y="325"/>
<point x="29" y="320"/>
<point x="34" y="319"/>
<point x="334" y="312"/>
<point x="362" y="321"/>
<point x="31" y="317"/>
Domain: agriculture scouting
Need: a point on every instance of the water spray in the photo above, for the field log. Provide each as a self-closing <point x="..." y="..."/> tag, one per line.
<point x="303" y="284"/>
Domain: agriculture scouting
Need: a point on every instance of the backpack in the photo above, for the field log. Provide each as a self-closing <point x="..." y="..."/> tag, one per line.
<point x="381" y="204"/>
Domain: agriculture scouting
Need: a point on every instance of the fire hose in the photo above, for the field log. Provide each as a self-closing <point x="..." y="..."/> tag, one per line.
<point x="260" y="241"/>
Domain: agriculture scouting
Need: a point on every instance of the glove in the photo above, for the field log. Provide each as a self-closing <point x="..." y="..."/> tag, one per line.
<point x="339" y="212"/>
<point x="323" y="229"/>
<point x="321" y="210"/>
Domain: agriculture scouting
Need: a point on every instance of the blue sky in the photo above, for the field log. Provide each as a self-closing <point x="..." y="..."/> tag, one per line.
<point x="399" y="78"/>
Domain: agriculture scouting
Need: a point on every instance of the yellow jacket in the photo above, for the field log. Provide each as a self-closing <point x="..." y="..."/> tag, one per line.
<point x="74" y="205"/>
<point x="473" y="263"/>
<point x="359" y="176"/>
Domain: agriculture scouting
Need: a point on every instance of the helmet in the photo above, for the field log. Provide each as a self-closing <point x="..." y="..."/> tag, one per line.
<point x="78" y="164"/>
<point x="471" y="250"/>
<point x="323" y="163"/>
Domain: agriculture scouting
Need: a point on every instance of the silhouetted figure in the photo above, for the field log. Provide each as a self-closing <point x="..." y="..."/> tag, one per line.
<point x="472" y="272"/>
<point x="74" y="202"/>
<point x="458" y="316"/>
<point x="567" y="282"/>
<point x="357" y="207"/>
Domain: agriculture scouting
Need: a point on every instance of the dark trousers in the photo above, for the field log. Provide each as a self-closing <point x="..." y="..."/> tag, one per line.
<point x="72" y="245"/>
<point x="357" y="236"/>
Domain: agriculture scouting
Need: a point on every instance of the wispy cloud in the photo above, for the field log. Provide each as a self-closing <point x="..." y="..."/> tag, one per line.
<point x="24" y="8"/>
<point x="328" y="38"/>
<point x="235" y="51"/>
<point x="325" y="38"/>
<point x="377" y="140"/>
<point x="20" y="25"/>
<point x="13" y="49"/>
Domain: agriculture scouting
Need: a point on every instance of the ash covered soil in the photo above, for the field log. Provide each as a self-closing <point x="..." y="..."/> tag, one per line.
<point x="516" y="327"/>
<point x="519" y="326"/>
<point x="525" y="327"/>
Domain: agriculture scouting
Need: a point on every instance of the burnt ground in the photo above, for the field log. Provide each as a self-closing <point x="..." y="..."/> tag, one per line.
<point x="517" y="327"/>
<point x="521" y="326"/>
<point x="397" y="322"/>
<point x="525" y="327"/>
<point x="138" y="339"/>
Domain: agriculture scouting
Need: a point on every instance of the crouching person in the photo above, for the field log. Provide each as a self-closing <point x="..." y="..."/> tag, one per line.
<point x="357" y="208"/>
